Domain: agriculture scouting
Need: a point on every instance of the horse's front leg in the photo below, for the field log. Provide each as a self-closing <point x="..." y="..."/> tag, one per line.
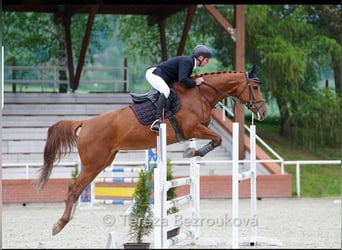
<point x="207" y="134"/>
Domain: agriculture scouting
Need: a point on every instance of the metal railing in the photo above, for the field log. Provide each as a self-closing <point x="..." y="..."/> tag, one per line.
<point x="308" y="162"/>
<point x="46" y="79"/>
<point x="280" y="160"/>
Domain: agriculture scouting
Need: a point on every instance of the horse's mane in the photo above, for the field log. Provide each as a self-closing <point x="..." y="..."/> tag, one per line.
<point x="179" y="86"/>
<point x="215" y="73"/>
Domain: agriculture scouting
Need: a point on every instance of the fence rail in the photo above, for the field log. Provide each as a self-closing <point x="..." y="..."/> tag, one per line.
<point x="308" y="162"/>
<point x="26" y="167"/>
<point x="46" y="79"/>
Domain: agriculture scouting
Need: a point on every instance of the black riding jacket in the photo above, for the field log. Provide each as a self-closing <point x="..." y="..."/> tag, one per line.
<point x="177" y="69"/>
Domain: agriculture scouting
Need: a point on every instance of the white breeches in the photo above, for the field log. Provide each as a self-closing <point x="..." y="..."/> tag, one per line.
<point x="157" y="82"/>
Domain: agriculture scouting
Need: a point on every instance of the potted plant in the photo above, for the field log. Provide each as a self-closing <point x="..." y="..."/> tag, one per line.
<point x="171" y="194"/>
<point x="141" y="214"/>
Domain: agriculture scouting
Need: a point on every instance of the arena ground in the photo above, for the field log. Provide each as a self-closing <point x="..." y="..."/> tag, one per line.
<point x="297" y="223"/>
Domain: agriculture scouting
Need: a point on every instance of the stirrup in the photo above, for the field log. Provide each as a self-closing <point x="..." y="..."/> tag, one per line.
<point x="155" y="125"/>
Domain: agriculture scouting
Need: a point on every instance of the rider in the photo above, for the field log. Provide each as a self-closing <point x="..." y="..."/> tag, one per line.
<point x="179" y="68"/>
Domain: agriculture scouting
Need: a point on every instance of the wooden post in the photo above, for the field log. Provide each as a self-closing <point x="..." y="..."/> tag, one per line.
<point x="14" y="75"/>
<point x="238" y="36"/>
<point x="239" y="63"/>
<point x="161" y="25"/>
<point x="125" y="75"/>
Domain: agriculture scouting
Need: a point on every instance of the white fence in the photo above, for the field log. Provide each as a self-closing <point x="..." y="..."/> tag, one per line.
<point x="26" y="171"/>
<point x="299" y="163"/>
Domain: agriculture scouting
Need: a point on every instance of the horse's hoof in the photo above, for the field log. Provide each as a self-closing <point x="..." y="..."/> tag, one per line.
<point x="189" y="152"/>
<point x="55" y="229"/>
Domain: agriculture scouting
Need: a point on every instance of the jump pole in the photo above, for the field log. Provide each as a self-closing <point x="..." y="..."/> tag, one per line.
<point x="161" y="205"/>
<point x="235" y="187"/>
<point x="254" y="239"/>
<point x="161" y="185"/>
<point x="87" y="200"/>
<point x="159" y="192"/>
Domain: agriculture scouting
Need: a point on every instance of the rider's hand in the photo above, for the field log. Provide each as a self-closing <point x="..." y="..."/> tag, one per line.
<point x="199" y="81"/>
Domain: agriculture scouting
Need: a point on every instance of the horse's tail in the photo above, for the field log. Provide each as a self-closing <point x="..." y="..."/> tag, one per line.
<point x="61" y="139"/>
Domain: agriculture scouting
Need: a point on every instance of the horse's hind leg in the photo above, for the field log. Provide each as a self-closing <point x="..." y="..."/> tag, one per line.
<point x="73" y="209"/>
<point x="87" y="175"/>
<point x="74" y="192"/>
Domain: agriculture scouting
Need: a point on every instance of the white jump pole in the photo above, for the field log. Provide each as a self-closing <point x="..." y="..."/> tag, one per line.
<point x="255" y="239"/>
<point x="253" y="185"/>
<point x="188" y="235"/>
<point x="195" y="189"/>
<point x="161" y="186"/>
<point x="159" y="191"/>
<point x="235" y="186"/>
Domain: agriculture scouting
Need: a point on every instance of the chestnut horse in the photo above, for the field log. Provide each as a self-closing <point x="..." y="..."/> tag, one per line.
<point x="99" y="139"/>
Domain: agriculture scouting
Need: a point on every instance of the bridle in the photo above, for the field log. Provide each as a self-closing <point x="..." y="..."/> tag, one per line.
<point x="251" y="104"/>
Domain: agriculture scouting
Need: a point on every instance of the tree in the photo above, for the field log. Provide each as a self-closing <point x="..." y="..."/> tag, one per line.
<point x="39" y="38"/>
<point x="327" y="19"/>
<point x="291" y="52"/>
<point x="27" y="38"/>
<point x="141" y="215"/>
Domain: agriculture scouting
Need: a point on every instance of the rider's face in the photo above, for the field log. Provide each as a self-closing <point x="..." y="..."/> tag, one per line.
<point x="205" y="61"/>
<point x="202" y="61"/>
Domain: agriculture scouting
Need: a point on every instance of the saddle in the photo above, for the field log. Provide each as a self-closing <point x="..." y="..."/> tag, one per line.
<point x="144" y="107"/>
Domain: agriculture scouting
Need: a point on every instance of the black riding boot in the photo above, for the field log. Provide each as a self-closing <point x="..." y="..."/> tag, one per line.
<point x="160" y="106"/>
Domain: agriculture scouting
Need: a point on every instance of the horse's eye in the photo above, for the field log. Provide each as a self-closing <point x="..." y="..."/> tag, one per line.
<point x="255" y="87"/>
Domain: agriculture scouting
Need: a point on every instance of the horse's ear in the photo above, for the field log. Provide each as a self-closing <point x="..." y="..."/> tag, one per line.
<point x="251" y="73"/>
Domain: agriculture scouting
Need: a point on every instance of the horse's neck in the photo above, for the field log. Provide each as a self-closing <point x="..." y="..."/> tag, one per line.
<point x="228" y="82"/>
<point x="222" y="84"/>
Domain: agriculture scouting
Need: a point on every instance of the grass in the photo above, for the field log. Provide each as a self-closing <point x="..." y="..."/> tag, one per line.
<point x="315" y="180"/>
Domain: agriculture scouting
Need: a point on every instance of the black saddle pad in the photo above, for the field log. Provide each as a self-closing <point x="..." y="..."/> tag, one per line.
<point x="146" y="111"/>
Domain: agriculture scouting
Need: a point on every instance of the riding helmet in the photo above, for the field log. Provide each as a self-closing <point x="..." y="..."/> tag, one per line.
<point x="202" y="50"/>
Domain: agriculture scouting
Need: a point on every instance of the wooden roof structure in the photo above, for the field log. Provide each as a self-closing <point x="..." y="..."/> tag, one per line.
<point x="152" y="11"/>
<point x="156" y="14"/>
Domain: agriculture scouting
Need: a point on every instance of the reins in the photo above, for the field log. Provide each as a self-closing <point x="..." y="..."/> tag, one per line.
<point x="250" y="104"/>
<point x="214" y="88"/>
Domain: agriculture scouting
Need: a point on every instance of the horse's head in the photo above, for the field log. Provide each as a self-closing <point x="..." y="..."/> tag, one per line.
<point x="251" y="96"/>
<point x="242" y="86"/>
